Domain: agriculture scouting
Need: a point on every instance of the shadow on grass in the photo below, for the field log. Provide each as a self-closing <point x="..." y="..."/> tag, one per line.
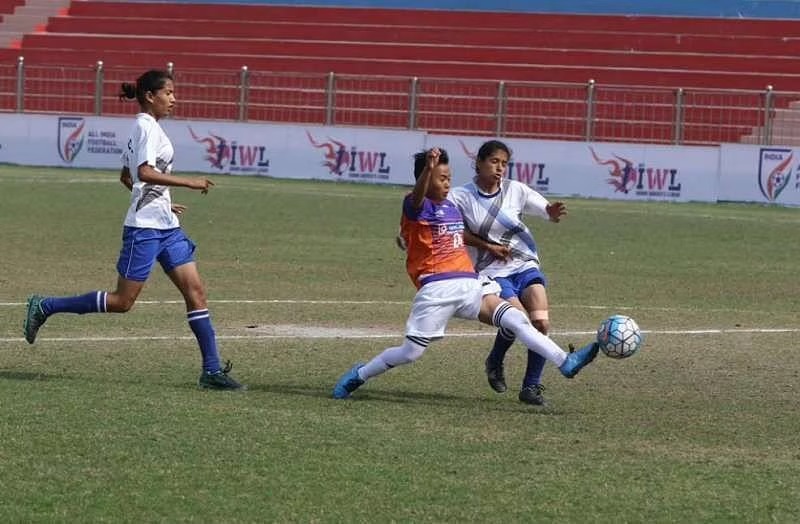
<point x="405" y="397"/>
<point x="6" y="374"/>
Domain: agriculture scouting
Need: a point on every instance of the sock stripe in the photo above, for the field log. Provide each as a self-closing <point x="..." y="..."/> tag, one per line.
<point x="197" y="315"/>
<point x="101" y="298"/>
<point x="420" y="341"/>
<point x="506" y="333"/>
<point x="499" y="312"/>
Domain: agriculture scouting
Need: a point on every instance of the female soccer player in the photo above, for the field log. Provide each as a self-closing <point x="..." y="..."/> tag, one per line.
<point x="447" y="284"/>
<point x="492" y="205"/>
<point x="151" y="232"/>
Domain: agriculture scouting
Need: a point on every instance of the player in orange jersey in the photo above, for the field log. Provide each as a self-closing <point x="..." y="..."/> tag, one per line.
<point x="447" y="284"/>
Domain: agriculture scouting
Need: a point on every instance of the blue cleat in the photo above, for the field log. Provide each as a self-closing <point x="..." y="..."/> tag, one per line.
<point x="348" y="382"/>
<point x="34" y="318"/>
<point x="575" y="361"/>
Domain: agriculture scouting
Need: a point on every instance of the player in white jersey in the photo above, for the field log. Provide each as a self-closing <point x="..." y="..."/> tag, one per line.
<point x="151" y="233"/>
<point x="503" y="248"/>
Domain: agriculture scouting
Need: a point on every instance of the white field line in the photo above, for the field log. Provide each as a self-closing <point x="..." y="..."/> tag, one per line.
<point x="408" y="303"/>
<point x="308" y="332"/>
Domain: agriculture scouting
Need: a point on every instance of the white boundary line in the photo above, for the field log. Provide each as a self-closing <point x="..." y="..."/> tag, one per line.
<point x="395" y="334"/>
<point x="408" y="303"/>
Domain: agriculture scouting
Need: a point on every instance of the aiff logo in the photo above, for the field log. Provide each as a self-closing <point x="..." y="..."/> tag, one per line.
<point x="774" y="171"/>
<point x="70" y="137"/>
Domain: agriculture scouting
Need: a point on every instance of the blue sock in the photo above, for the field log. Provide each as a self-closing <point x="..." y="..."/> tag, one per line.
<point x="533" y="373"/>
<point x="503" y="341"/>
<point x="200" y="322"/>
<point x="94" y="302"/>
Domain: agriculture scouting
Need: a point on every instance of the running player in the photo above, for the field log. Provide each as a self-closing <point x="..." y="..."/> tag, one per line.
<point x="151" y="233"/>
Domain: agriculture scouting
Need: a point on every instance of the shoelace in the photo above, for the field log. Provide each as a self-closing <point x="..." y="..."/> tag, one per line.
<point x="228" y="367"/>
<point x="538" y="388"/>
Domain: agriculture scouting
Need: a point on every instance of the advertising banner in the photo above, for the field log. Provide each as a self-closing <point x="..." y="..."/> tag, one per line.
<point x="291" y="151"/>
<point x="63" y="141"/>
<point x="601" y="170"/>
<point x="765" y="174"/>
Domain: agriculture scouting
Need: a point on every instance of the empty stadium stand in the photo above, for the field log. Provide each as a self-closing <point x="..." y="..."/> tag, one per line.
<point x="209" y="44"/>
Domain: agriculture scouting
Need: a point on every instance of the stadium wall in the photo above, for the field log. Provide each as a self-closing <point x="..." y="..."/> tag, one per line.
<point x="586" y="169"/>
<point x="708" y="8"/>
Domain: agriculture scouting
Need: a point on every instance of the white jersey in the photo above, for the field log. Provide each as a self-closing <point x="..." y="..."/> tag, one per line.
<point x="497" y="217"/>
<point x="151" y="205"/>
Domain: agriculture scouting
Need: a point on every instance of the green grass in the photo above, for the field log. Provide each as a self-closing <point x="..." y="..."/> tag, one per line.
<point x="101" y="423"/>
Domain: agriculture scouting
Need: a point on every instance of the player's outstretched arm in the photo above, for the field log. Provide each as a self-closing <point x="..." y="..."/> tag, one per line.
<point x="424" y="179"/>
<point x="150" y="176"/>
<point x="497" y="250"/>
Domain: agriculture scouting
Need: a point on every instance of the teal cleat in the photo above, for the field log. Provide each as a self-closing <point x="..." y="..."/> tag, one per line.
<point x="34" y="318"/>
<point x="348" y="382"/>
<point x="577" y="360"/>
<point x="220" y="380"/>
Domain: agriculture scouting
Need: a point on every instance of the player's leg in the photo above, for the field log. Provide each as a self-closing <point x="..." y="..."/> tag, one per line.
<point x="496" y="311"/>
<point x="534" y="299"/>
<point x="495" y="371"/>
<point x="432" y="308"/>
<point x="177" y="260"/>
<point x="137" y="255"/>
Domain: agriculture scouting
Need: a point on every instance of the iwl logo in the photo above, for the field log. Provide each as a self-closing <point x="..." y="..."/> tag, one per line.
<point x="70" y="137"/>
<point x="529" y="173"/>
<point x="352" y="162"/>
<point x="774" y="171"/>
<point x="232" y="156"/>
<point x="641" y="179"/>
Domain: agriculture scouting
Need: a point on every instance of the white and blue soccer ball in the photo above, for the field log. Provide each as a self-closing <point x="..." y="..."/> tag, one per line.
<point x="619" y="336"/>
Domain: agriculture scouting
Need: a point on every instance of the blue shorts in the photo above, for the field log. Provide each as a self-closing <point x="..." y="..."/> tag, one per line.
<point x="141" y="248"/>
<point x="512" y="285"/>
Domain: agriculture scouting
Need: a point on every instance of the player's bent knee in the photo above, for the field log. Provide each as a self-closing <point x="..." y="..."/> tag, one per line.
<point x="119" y="304"/>
<point x="541" y="325"/>
<point x="413" y="348"/>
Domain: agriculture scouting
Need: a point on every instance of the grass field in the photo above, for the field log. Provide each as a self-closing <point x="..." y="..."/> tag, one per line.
<point x="101" y="421"/>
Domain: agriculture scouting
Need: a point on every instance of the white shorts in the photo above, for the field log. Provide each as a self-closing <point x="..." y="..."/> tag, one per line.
<point x="437" y="302"/>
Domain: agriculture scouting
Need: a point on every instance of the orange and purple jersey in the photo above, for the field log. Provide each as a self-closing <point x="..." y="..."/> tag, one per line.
<point x="434" y="237"/>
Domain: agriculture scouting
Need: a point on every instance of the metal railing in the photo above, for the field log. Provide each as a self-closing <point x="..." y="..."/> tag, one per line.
<point x="560" y="111"/>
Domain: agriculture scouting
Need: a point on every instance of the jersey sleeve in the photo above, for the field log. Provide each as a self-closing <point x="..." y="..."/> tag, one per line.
<point x="535" y="203"/>
<point x="142" y="147"/>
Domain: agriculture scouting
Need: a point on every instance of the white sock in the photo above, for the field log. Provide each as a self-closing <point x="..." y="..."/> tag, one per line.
<point x="511" y="318"/>
<point x="410" y="351"/>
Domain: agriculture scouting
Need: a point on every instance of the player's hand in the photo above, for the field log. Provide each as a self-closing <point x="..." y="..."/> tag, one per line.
<point x="556" y="210"/>
<point x="202" y="183"/>
<point x="401" y="244"/>
<point x="178" y="209"/>
<point x="433" y="157"/>
<point x="499" y="251"/>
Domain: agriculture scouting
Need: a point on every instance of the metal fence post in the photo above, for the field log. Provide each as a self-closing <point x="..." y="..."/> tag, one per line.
<point x="330" y="99"/>
<point x="412" y="103"/>
<point x="769" y="102"/>
<point x="20" y="84"/>
<point x="677" y="130"/>
<point x="98" y="88"/>
<point x="244" y="89"/>
<point x="590" y="87"/>
<point x="501" y="108"/>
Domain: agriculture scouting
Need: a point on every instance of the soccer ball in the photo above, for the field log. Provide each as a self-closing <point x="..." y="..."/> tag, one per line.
<point x="619" y="336"/>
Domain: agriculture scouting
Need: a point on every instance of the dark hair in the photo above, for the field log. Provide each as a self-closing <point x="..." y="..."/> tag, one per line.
<point x="420" y="161"/>
<point x="487" y="149"/>
<point x="150" y="81"/>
